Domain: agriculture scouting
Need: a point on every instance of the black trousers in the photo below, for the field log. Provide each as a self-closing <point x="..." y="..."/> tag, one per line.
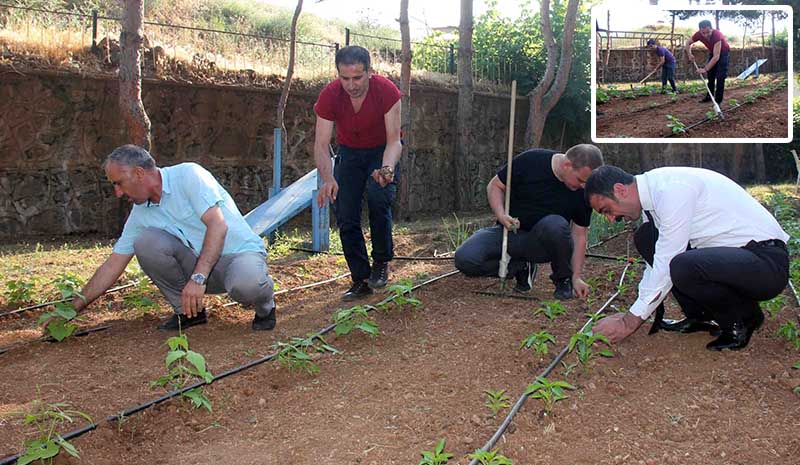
<point x="716" y="77"/>
<point x="723" y="284"/>
<point x="549" y="240"/>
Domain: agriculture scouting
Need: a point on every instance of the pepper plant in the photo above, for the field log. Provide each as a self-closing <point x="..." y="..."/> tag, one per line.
<point x="19" y="291"/>
<point x="490" y="458"/>
<point x="185" y="367"/>
<point x="60" y="321"/>
<point x="538" y="341"/>
<point x="551" y="309"/>
<point x="549" y="391"/>
<point x="582" y="343"/>
<point x="676" y="125"/>
<point x="47" y="418"/>
<point x="357" y="317"/>
<point x="296" y="354"/>
<point x="773" y="306"/>
<point x="790" y="332"/>
<point x="437" y="456"/>
<point x="496" y="400"/>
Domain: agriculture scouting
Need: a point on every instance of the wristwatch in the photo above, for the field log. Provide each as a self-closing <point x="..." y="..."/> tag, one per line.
<point x="199" y="278"/>
<point x="387" y="171"/>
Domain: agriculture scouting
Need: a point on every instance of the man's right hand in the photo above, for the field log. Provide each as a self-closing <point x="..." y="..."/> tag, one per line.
<point x="510" y="223"/>
<point x="327" y="192"/>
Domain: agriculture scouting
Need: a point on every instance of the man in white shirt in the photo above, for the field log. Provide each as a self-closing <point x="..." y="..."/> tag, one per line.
<point x="716" y="248"/>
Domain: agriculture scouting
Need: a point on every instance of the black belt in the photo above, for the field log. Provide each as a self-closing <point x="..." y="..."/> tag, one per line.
<point x="767" y="243"/>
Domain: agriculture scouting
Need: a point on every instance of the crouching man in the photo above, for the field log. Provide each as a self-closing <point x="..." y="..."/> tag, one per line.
<point x="189" y="238"/>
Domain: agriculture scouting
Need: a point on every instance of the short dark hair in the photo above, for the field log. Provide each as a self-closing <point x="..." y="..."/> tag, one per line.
<point x="583" y="155"/>
<point x="651" y="41"/>
<point x="602" y="181"/>
<point x="705" y="23"/>
<point x="131" y="155"/>
<point x="353" y="55"/>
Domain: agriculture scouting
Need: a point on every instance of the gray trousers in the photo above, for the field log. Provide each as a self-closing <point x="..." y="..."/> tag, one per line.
<point x="169" y="263"/>
<point x="550" y="240"/>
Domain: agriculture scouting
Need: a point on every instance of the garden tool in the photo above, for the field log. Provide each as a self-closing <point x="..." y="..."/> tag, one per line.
<point x="651" y="73"/>
<point x="716" y="105"/>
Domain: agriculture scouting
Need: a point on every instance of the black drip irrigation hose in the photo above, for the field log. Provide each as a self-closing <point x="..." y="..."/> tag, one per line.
<point x="82" y="332"/>
<point x="606" y="239"/>
<point x="299" y="288"/>
<point x="706" y="120"/>
<point x="131" y="411"/>
<point x="45" y="304"/>
<point x="518" y="405"/>
<point x="396" y="257"/>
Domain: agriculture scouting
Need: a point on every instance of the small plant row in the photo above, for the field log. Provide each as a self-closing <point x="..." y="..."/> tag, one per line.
<point x="603" y="95"/>
<point x="547" y="390"/>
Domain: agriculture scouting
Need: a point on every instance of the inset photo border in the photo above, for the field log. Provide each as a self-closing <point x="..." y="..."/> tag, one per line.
<point x="634" y="45"/>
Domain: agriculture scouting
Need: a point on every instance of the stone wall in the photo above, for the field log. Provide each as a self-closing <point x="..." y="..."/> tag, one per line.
<point x="56" y="128"/>
<point x="632" y="65"/>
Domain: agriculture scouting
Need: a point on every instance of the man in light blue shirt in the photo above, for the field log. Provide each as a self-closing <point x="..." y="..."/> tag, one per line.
<point x="189" y="238"/>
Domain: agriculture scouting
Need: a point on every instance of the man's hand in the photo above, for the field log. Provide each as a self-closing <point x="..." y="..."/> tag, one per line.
<point x="619" y="326"/>
<point x="580" y="287"/>
<point x="510" y="223"/>
<point x="192" y="298"/>
<point x="327" y="193"/>
<point x="701" y="71"/>
<point x="383" y="176"/>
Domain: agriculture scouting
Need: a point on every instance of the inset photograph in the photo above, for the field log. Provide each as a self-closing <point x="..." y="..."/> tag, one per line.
<point x="692" y="75"/>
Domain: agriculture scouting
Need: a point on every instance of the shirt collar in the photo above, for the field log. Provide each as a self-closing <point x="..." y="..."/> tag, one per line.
<point x="166" y="186"/>
<point x="644" y="192"/>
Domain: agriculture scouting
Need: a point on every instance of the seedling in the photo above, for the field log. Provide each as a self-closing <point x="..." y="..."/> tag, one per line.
<point x="551" y="309"/>
<point x="750" y="98"/>
<point x="674" y="98"/>
<point x="538" y="341"/>
<point x="568" y="368"/>
<point x="402" y="294"/>
<point x="457" y="232"/>
<point x="549" y="391"/>
<point x="496" y="400"/>
<point x="790" y="332"/>
<point x="711" y="116"/>
<point x="19" y="291"/>
<point x="68" y="285"/>
<point x="733" y="102"/>
<point x="601" y="96"/>
<point x="773" y="306"/>
<point x="357" y="317"/>
<point x="490" y="458"/>
<point x="436" y="457"/>
<point x="47" y="418"/>
<point x="59" y="322"/>
<point x="584" y="342"/>
<point x="297" y="354"/>
<point x="184" y="367"/>
<point x="138" y="297"/>
<point x="676" y="125"/>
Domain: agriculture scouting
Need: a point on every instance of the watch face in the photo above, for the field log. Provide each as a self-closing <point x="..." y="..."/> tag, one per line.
<point x="198" y="278"/>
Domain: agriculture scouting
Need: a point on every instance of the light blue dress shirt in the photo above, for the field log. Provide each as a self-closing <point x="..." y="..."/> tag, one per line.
<point x="187" y="192"/>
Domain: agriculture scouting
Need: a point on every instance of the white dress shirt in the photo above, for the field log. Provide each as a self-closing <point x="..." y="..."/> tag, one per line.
<point x="697" y="207"/>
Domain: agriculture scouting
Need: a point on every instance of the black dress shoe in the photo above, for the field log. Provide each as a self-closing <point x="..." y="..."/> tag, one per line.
<point x="705" y="99"/>
<point x="358" y="290"/>
<point x="564" y="289"/>
<point x="172" y="323"/>
<point x="738" y="336"/>
<point x="264" y="323"/>
<point x="690" y="325"/>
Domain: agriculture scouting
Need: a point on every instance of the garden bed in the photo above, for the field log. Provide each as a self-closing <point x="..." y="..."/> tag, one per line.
<point x="660" y="399"/>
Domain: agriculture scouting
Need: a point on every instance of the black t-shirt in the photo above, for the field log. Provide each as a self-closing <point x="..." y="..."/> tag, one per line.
<point x="536" y="192"/>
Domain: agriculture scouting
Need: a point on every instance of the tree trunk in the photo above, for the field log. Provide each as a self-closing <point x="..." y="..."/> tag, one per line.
<point x="761" y="167"/>
<point x="608" y="44"/>
<point x="716" y="19"/>
<point x="130" y="74"/>
<point x="763" y="20"/>
<point x="772" y="49"/>
<point x="550" y="88"/>
<point x="405" y="88"/>
<point x="463" y="181"/>
<point x="287" y="84"/>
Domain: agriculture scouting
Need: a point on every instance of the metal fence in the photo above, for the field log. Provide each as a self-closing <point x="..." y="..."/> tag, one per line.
<point x="57" y="33"/>
<point x="434" y="57"/>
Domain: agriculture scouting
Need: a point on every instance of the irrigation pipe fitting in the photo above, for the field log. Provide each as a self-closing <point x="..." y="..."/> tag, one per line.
<point x="131" y="411"/>
<point x="518" y="405"/>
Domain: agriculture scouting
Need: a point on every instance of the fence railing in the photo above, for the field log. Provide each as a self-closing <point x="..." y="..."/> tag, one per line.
<point x="59" y="34"/>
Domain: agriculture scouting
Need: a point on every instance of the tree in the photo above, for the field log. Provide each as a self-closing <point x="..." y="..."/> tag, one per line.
<point x="130" y="74"/>
<point x="463" y="184"/>
<point x="405" y="88"/>
<point x="287" y="84"/>
<point x="548" y="91"/>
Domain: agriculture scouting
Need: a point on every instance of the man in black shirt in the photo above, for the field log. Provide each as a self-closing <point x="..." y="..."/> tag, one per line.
<point x="546" y="196"/>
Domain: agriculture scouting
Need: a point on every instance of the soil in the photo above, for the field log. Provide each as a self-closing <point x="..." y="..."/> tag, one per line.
<point x="645" y="117"/>
<point x="662" y="399"/>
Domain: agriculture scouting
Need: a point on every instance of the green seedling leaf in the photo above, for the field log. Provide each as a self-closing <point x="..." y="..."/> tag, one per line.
<point x="173" y="356"/>
<point x="60" y="330"/>
<point x="71" y="450"/>
<point x="178" y="341"/>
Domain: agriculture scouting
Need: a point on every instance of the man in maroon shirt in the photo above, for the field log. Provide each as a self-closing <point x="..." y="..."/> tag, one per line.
<point x="365" y="109"/>
<point x="716" y="69"/>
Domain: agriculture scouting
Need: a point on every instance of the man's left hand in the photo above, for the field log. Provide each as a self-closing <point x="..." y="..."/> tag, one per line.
<point x="701" y="70"/>
<point x="192" y="298"/>
<point x="619" y="326"/>
<point x="383" y="176"/>
<point x="580" y="287"/>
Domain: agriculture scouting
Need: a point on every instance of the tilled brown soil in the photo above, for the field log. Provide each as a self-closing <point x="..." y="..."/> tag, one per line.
<point x="662" y="399"/>
<point x="645" y="117"/>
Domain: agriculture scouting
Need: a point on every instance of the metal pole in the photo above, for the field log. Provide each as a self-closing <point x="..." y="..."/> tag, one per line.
<point x="347" y="37"/>
<point x="452" y="62"/>
<point x="94" y="30"/>
<point x="276" y="162"/>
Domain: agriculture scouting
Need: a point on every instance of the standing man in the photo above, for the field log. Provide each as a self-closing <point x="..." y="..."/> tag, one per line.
<point x="667" y="63"/>
<point x="548" y="220"/>
<point x="365" y="108"/>
<point x="716" y="69"/>
<point x="188" y="237"/>
<point x="713" y="245"/>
